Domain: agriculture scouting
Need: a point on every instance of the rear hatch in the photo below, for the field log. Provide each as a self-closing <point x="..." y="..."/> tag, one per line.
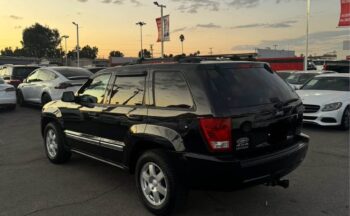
<point x="266" y="114"/>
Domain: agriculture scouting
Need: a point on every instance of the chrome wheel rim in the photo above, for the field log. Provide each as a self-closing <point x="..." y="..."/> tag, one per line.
<point x="153" y="184"/>
<point x="51" y="143"/>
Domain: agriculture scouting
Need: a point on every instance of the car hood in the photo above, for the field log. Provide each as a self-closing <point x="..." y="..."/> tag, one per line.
<point x="321" y="97"/>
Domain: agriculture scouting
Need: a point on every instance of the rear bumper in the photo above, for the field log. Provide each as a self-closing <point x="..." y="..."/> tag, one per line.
<point x="209" y="172"/>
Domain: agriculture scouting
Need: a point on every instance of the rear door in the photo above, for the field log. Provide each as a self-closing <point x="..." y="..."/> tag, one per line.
<point x="28" y="86"/>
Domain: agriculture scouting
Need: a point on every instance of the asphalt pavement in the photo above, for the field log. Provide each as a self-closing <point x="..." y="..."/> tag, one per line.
<point x="31" y="185"/>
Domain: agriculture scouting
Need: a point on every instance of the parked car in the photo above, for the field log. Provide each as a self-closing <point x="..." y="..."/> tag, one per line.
<point x="338" y="66"/>
<point x="298" y="79"/>
<point x="180" y="126"/>
<point x="7" y="95"/>
<point x="15" y="74"/>
<point x="46" y="84"/>
<point x="326" y="99"/>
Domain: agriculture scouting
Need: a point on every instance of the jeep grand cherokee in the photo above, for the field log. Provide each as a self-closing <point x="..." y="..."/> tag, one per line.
<point x="217" y="125"/>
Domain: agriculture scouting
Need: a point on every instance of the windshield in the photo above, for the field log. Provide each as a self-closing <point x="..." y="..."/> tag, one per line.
<point x="300" y="79"/>
<point x="23" y="72"/>
<point x="328" y="83"/>
<point x="249" y="87"/>
<point x="74" y="73"/>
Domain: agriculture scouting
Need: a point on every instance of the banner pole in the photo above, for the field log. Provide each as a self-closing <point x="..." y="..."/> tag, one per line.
<point x="307" y="34"/>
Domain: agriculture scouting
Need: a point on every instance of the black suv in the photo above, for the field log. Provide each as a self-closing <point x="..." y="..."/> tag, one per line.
<point x="208" y="125"/>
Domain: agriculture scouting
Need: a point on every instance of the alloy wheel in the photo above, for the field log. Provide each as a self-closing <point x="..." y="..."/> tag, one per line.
<point x="51" y="143"/>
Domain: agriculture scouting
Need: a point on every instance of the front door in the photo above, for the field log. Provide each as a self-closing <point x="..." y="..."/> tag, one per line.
<point x="82" y="123"/>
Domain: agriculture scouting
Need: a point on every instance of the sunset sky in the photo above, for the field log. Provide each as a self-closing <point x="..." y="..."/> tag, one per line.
<point x="228" y="26"/>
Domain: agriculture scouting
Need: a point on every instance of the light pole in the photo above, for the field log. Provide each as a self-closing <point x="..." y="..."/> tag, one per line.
<point x="65" y="44"/>
<point x="141" y="24"/>
<point x="162" y="26"/>
<point x="78" y="48"/>
<point x="307" y="33"/>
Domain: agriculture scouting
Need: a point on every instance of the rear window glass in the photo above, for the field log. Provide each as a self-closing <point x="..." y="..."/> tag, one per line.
<point x="248" y="87"/>
<point x="74" y="73"/>
<point x="171" y="91"/>
<point x="22" y="72"/>
<point x="328" y="83"/>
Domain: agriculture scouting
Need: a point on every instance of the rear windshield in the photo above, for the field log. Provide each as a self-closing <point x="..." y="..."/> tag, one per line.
<point x="249" y="87"/>
<point x="328" y="83"/>
<point x="23" y="72"/>
<point x="284" y="75"/>
<point x="300" y="79"/>
<point x="74" y="73"/>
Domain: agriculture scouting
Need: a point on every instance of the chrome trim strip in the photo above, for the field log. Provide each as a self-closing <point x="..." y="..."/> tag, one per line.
<point x="107" y="143"/>
<point x="98" y="159"/>
<point x="83" y="137"/>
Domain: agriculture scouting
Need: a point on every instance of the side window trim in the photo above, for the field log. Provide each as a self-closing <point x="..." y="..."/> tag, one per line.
<point x="152" y="102"/>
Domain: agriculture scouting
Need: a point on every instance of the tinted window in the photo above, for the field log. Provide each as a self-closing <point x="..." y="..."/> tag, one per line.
<point x="171" y="90"/>
<point x="33" y="76"/>
<point x="2" y="81"/>
<point x="128" y="91"/>
<point x="22" y="72"/>
<point x="95" y="92"/>
<point x="45" y="75"/>
<point x="300" y="79"/>
<point x="74" y="73"/>
<point x="328" y="83"/>
<point x="248" y="87"/>
<point x="284" y="75"/>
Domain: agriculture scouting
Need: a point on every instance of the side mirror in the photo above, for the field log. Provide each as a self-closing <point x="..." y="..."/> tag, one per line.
<point x="68" y="96"/>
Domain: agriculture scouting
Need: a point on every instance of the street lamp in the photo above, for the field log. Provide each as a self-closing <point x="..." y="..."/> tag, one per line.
<point x="162" y="25"/>
<point x="65" y="42"/>
<point x="141" y="24"/>
<point x="307" y="34"/>
<point x="78" y="48"/>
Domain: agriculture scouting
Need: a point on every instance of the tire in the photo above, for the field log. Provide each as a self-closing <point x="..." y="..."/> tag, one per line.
<point x="45" y="98"/>
<point x="163" y="179"/>
<point x="54" y="143"/>
<point x="345" y="121"/>
<point x="20" y="98"/>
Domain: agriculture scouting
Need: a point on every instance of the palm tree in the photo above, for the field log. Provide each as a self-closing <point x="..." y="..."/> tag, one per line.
<point x="182" y="38"/>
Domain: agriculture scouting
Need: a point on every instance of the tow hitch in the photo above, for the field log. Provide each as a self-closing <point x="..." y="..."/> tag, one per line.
<point x="278" y="182"/>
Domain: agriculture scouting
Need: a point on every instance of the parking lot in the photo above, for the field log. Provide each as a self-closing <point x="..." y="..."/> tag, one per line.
<point x="30" y="185"/>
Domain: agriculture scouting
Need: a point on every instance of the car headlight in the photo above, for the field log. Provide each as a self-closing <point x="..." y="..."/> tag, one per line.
<point x="331" y="107"/>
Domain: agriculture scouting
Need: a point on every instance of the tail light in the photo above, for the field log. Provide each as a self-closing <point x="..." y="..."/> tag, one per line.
<point x="11" y="89"/>
<point x="14" y="82"/>
<point x="217" y="132"/>
<point x="325" y="67"/>
<point x="63" y="85"/>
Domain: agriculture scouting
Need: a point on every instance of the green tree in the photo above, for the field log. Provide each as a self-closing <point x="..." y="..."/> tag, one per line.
<point x="7" y="51"/>
<point x="88" y="52"/>
<point x="41" y="41"/>
<point x="146" y="54"/>
<point x="116" y="53"/>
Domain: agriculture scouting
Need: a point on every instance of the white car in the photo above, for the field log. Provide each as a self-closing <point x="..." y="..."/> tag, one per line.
<point x="7" y="95"/>
<point x="46" y="84"/>
<point x="326" y="100"/>
<point x="299" y="78"/>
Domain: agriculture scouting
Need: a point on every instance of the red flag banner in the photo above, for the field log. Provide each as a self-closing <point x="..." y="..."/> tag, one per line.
<point x="166" y="34"/>
<point x="345" y="13"/>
